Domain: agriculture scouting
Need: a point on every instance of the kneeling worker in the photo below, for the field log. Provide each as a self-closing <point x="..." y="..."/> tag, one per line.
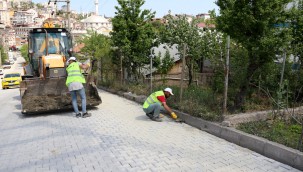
<point x="157" y="102"/>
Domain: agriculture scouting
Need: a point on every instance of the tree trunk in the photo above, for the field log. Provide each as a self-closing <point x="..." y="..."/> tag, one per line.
<point x="189" y="64"/>
<point x="240" y="96"/>
<point x="240" y="99"/>
<point x="99" y="73"/>
<point x="190" y="75"/>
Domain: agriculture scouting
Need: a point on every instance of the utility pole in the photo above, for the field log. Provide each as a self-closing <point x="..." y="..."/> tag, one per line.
<point x="68" y="14"/>
<point x="0" y="57"/>
<point x="151" y="72"/>
<point x="281" y="78"/>
<point x="283" y="68"/>
<point x="182" y="71"/>
<point x="121" y="67"/>
<point x="68" y="10"/>
<point x="226" y="77"/>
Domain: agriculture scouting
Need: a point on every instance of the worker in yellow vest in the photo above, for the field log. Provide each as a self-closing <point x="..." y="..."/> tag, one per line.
<point x="74" y="82"/>
<point x="156" y="102"/>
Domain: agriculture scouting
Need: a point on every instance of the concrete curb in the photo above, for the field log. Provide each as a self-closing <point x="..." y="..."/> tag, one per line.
<point x="262" y="146"/>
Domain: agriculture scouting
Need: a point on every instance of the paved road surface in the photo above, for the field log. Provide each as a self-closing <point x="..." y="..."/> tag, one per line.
<point x="16" y="67"/>
<point x="118" y="137"/>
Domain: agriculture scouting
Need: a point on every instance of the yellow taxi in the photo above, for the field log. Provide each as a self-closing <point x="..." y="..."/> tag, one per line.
<point x="10" y="80"/>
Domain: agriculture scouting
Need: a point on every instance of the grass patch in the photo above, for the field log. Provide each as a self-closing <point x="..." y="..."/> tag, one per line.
<point x="283" y="132"/>
<point x="197" y="101"/>
<point x="257" y="103"/>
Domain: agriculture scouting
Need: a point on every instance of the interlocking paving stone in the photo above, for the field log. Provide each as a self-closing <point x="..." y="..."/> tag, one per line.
<point x="118" y="137"/>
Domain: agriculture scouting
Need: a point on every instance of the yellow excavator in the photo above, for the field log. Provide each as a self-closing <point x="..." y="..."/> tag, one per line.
<point x="43" y="88"/>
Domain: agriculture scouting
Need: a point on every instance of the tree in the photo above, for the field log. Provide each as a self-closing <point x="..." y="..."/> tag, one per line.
<point x="24" y="52"/>
<point x="3" y="55"/>
<point x="25" y="5"/>
<point x="133" y="35"/>
<point x="97" y="46"/>
<point x="80" y="17"/>
<point x="39" y="6"/>
<point x="164" y="64"/>
<point x="31" y="5"/>
<point x="180" y="31"/>
<point x="296" y="15"/>
<point x="250" y="23"/>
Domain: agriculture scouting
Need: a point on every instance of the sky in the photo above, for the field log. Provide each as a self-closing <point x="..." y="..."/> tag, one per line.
<point x="161" y="7"/>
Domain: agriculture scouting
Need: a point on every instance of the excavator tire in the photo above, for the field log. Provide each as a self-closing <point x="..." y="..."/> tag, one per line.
<point x="51" y="94"/>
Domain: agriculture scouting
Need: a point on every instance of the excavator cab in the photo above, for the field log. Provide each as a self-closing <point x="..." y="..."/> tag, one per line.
<point x="43" y="86"/>
<point x="49" y="48"/>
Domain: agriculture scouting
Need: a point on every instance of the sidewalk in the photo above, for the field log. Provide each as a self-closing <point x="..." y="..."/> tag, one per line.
<point x="118" y="137"/>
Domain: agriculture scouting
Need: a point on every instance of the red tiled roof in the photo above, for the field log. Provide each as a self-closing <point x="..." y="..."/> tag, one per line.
<point x="203" y="25"/>
<point x="78" y="47"/>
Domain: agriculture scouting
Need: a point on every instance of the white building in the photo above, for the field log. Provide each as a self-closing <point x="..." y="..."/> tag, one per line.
<point x="99" y="24"/>
<point x="38" y="21"/>
<point x="22" y="33"/>
<point x="11" y="37"/>
<point x="17" y="2"/>
<point x="25" y="17"/>
<point x="4" y="13"/>
<point x="203" y="16"/>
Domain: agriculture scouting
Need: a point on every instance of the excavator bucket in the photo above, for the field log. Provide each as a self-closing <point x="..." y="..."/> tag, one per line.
<point x="51" y="94"/>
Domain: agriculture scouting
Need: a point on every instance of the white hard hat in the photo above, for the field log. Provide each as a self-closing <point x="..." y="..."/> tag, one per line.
<point x="169" y="90"/>
<point x="72" y="58"/>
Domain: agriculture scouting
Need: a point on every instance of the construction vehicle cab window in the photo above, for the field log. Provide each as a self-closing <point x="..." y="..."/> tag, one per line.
<point x="51" y="43"/>
<point x="49" y="48"/>
<point x="43" y="86"/>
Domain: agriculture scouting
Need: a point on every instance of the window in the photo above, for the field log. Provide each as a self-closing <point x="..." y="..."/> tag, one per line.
<point x="12" y="75"/>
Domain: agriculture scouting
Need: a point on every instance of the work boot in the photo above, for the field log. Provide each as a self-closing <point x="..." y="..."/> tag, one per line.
<point x="161" y="115"/>
<point x="149" y="115"/>
<point x="84" y="115"/>
<point x="78" y="115"/>
<point x="156" y="119"/>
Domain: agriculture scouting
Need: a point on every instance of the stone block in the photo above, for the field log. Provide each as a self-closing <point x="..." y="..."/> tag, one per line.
<point x="252" y="142"/>
<point x="140" y="99"/>
<point x="226" y="123"/>
<point x="282" y="154"/>
<point x="298" y="162"/>
<point x="231" y="135"/>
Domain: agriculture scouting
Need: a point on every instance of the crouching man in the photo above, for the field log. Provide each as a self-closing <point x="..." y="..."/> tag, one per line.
<point x="157" y="102"/>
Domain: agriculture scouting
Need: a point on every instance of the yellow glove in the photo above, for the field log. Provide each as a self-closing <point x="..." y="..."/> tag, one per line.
<point x="173" y="115"/>
<point x="86" y="64"/>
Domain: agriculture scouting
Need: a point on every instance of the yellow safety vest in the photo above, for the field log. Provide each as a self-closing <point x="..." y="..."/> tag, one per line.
<point x="74" y="74"/>
<point x="152" y="99"/>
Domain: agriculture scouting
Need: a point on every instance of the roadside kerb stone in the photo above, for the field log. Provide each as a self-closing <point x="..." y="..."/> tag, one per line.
<point x="140" y="99"/>
<point x="284" y="154"/>
<point x="134" y="97"/>
<point x="262" y="146"/>
<point x="129" y="96"/>
<point x="252" y="142"/>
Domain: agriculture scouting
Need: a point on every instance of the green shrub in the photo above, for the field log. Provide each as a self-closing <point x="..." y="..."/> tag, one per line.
<point x="197" y="101"/>
<point x="283" y="132"/>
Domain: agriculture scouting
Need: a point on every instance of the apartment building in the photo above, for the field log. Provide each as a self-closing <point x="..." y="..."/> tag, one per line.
<point x="24" y="17"/>
<point x="4" y="13"/>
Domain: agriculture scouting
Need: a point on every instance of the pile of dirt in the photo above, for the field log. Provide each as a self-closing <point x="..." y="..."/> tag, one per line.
<point x="36" y="98"/>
